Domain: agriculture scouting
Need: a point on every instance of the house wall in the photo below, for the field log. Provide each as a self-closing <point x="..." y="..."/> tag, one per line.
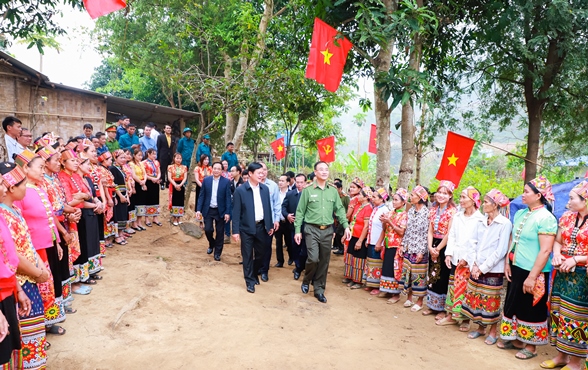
<point x="46" y="109"/>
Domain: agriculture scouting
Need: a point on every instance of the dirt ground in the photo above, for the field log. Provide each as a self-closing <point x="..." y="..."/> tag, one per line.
<point x="165" y="304"/>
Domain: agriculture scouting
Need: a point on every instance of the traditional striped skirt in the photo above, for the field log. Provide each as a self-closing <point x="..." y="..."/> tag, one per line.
<point x="481" y="302"/>
<point x="373" y="268"/>
<point x="437" y="280"/>
<point x="569" y="313"/>
<point x="391" y="272"/>
<point x="355" y="262"/>
<point x="521" y="320"/>
<point x="458" y="282"/>
<point x="414" y="275"/>
<point x="32" y="327"/>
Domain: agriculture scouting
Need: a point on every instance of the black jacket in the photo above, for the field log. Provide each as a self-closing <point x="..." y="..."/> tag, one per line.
<point x="244" y="211"/>
<point x="165" y="152"/>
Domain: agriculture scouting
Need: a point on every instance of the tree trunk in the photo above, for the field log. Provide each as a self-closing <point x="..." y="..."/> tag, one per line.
<point x="231" y="116"/>
<point x="382" y="66"/>
<point x="534" y="111"/>
<point x="407" y="127"/>
<point x="249" y="67"/>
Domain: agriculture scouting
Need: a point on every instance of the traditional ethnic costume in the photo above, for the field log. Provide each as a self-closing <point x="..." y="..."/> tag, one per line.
<point x="132" y="217"/>
<point x="152" y="194"/>
<point x="393" y="256"/>
<point x="569" y="296"/>
<point x="138" y="197"/>
<point x="96" y="180"/>
<point x="373" y="265"/>
<point x="355" y="259"/>
<point x="488" y="248"/>
<point x="121" y="213"/>
<point x="176" y="197"/>
<point x="525" y="315"/>
<point x="200" y="173"/>
<point x="32" y="327"/>
<point x="438" y="277"/>
<point x="110" y="226"/>
<point x="414" y="242"/>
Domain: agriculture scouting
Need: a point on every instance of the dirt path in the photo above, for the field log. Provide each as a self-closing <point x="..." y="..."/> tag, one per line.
<point x="165" y="304"/>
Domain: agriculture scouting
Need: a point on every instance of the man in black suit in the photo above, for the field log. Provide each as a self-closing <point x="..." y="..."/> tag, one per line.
<point x="253" y="223"/>
<point x="289" y="205"/>
<point x="214" y="206"/>
<point x="166" y="147"/>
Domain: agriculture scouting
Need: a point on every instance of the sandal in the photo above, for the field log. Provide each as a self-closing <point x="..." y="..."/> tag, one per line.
<point x="408" y="303"/>
<point x="440" y="316"/>
<point x="445" y="322"/>
<point x="70" y="310"/>
<point x="346" y="281"/>
<point x="525" y="354"/>
<point x="47" y="345"/>
<point x="356" y="286"/>
<point x="428" y="312"/>
<point x="119" y="242"/>
<point x="81" y="291"/>
<point x="508" y="345"/>
<point x="55" y="329"/>
<point x="375" y="292"/>
<point x="89" y="282"/>
<point x="96" y="276"/>
<point x="475" y="334"/>
<point x="416" y="308"/>
<point x="490" y="340"/>
<point x="158" y="223"/>
<point x="550" y="364"/>
<point x="463" y="327"/>
<point x="393" y="300"/>
<point x="109" y="245"/>
<point x="149" y="224"/>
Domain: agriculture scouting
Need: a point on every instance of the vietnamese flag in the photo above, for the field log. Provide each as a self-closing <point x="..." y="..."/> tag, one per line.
<point x="279" y="148"/>
<point x="373" y="145"/>
<point x="326" y="149"/>
<point x="455" y="159"/>
<point x="327" y="56"/>
<point x="98" y="8"/>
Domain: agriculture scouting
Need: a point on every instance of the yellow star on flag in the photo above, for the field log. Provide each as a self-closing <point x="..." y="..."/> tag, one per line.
<point x="452" y="160"/>
<point x="280" y="148"/>
<point x="327" y="56"/>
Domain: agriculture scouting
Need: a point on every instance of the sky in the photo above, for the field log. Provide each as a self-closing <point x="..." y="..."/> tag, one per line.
<point x="75" y="63"/>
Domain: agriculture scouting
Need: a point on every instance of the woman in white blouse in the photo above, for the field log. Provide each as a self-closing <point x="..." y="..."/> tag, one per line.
<point x="461" y="230"/>
<point x="486" y="258"/>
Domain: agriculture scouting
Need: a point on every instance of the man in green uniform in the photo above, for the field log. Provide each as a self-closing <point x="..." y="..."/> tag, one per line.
<point x="318" y="202"/>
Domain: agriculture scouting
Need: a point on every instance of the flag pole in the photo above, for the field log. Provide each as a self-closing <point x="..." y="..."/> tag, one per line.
<point x="513" y="154"/>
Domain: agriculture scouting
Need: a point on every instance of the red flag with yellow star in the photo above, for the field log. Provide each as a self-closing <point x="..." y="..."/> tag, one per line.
<point x="279" y="148"/>
<point x="328" y="54"/>
<point x="455" y="159"/>
<point x="326" y="149"/>
<point x="98" y="8"/>
<point x="373" y="146"/>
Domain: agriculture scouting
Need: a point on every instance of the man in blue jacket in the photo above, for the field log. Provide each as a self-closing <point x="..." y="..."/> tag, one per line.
<point x="204" y="148"/>
<point x="129" y="140"/>
<point x="186" y="147"/>
<point x="214" y="206"/>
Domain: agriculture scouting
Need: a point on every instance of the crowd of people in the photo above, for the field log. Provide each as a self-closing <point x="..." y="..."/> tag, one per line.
<point x="64" y="203"/>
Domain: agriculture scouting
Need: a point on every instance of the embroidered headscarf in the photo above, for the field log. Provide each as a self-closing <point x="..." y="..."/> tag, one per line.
<point x="14" y="176"/>
<point x="500" y="200"/>
<point x="357" y="181"/>
<point x="474" y="195"/>
<point x="446" y="184"/>
<point x="421" y="192"/>
<point x="24" y="157"/>
<point x="543" y="186"/>
<point x="581" y="189"/>
<point x="383" y="193"/>
<point x="402" y="193"/>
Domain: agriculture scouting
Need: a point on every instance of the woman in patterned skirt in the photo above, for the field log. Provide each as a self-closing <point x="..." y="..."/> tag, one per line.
<point x="438" y="278"/>
<point x="138" y="198"/>
<point x="485" y="258"/>
<point x="569" y="303"/>
<point x="524" y="318"/>
<point x="356" y="247"/>
<point x="121" y="198"/>
<point x="414" y="245"/>
<point x="395" y="225"/>
<point x="132" y="217"/>
<point x="458" y="242"/>
<point x="375" y="241"/>
<point x="110" y="227"/>
<point x="177" y="175"/>
<point x="153" y="170"/>
<point x="30" y="272"/>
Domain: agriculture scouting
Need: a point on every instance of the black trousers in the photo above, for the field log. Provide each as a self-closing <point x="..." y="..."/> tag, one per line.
<point x="299" y="252"/>
<point x="215" y="221"/>
<point x="337" y="243"/>
<point x="283" y="236"/>
<point x="253" y="249"/>
<point x="164" y="164"/>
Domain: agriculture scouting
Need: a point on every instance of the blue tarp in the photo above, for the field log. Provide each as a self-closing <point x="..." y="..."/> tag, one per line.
<point x="561" y="192"/>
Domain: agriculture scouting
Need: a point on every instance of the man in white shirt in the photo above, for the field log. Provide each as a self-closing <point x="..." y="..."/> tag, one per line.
<point x="12" y="128"/>
<point x="214" y="206"/>
<point x="283" y="234"/>
<point x="276" y="202"/>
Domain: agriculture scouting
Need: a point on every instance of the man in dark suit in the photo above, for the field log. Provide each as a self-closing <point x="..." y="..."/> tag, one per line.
<point x="214" y="206"/>
<point x="253" y="223"/>
<point x="289" y="205"/>
<point x="166" y="147"/>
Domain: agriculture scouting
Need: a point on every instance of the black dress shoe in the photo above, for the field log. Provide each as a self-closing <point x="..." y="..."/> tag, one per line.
<point x="321" y="298"/>
<point x="290" y="262"/>
<point x="240" y="262"/>
<point x="279" y="264"/>
<point x="296" y="275"/>
<point x="338" y="252"/>
<point x="264" y="277"/>
<point x="217" y="258"/>
<point x="305" y="288"/>
<point x="162" y="187"/>
<point x="209" y="251"/>
<point x="251" y="288"/>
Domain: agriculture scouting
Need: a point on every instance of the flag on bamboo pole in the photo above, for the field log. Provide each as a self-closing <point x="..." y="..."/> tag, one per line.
<point x="455" y="158"/>
<point x="327" y="57"/>
<point x="326" y="149"/>
<point x="98" y="8"/>
<point x="279" y="148"/>
<point x="373" y="145"/>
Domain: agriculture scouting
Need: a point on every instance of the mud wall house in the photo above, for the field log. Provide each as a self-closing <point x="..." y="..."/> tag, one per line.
<point x="45" y="106"/>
